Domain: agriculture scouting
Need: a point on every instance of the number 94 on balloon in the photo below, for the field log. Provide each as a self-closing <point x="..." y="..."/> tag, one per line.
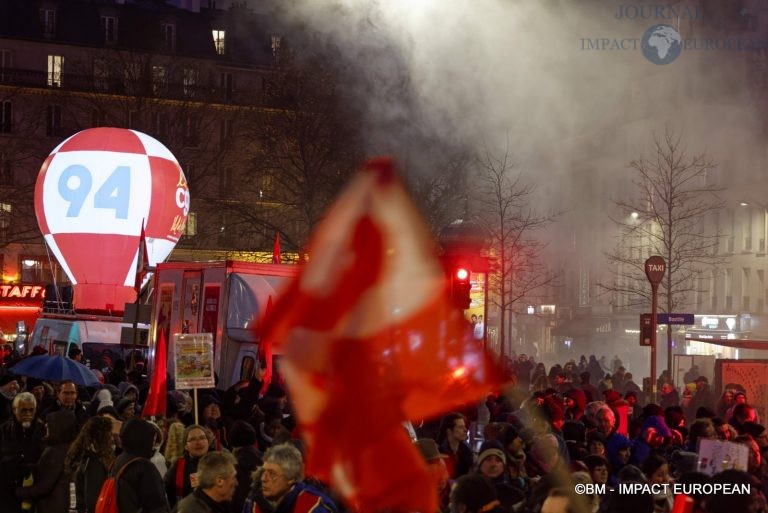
<point x="84" y="191"/>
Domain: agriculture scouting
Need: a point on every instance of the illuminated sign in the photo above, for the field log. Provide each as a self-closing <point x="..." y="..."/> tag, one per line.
<point x="22" y="291"/>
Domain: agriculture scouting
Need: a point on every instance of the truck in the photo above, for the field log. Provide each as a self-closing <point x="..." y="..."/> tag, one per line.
<point x="227" y="299"/>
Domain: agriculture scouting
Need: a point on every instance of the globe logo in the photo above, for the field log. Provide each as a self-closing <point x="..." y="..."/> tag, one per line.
<point x="661" y="44"/>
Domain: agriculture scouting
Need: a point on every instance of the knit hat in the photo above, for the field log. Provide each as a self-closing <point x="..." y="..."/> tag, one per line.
<point x="242" y="434"/>
<point x="491" y="448"/>
<point x="7" y="378"/>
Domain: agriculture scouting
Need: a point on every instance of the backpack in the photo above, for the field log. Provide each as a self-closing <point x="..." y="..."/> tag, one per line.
<point x="107" y="501"/>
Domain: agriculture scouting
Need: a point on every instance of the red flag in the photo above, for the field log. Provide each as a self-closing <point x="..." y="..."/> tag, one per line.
<point x="276" y="256"/>
<point x="368" y="336"/>
<point x="142" y="261"/>
<point x="265" y="351"/>
<point x="158" y="388"/>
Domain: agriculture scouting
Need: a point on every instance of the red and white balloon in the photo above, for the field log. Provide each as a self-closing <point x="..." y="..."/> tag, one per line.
<point x="93" y="193"/>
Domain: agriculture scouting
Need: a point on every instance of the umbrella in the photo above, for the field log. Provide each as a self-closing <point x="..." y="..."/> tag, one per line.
<point x="55" y="368"/>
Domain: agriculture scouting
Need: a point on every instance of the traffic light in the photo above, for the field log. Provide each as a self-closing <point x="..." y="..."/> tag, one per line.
<point x="646" y="329"/>
<point x="460" y="287"/>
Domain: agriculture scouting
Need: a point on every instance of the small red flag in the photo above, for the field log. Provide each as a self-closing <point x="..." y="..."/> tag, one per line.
<point x="157" y="397"/>
<point x="276" y="256"/>
<point x="265" y="351"/>
<point x="369" y="335"/>
<point x="142" y="261"/>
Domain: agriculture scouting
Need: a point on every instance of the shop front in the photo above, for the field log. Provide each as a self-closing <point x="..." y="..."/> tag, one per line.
<point x="20" y="306"/>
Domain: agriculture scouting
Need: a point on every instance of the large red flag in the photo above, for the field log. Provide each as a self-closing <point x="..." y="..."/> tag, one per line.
<point x="157" y="397"/>
<point x="277" y="258"/>
<point x="142" y="261"/>
<point x="369" y="341"/>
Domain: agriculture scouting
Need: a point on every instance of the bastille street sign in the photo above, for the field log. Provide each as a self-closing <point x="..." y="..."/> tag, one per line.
<point x="675" y="318"/>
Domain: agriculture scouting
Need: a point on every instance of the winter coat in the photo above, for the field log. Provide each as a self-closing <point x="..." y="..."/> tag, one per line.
<point x="20" y="449"/>
<point x="88" y="478"/>
<point x="50" y="486"/>
<point x="248" y="459"/>
<point x="140" y="487"/>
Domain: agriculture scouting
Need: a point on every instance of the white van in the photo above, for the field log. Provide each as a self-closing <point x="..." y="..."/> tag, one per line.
<point x="102" y="339"/>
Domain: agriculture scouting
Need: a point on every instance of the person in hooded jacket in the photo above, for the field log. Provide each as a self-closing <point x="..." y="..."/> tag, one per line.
<point x="50" y="486"/>
<point x="140" y="487"/>
<point x="243" y="438"/>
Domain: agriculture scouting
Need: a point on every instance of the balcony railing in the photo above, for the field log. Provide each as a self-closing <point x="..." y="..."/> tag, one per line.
<point x="73" y="82"/>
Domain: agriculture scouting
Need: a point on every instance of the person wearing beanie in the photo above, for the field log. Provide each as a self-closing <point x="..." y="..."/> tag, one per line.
<point x="242" y="436"/>
<point x="9" y="387"/>
<point x="140" y="487"/>
<point x="474" y="494"/>
<point x="492" y="464"/>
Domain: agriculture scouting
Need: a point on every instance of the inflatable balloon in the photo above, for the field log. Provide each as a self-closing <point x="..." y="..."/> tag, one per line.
<point x="92" y="195"/>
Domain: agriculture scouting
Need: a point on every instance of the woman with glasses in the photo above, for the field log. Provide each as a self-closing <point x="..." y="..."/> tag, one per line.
<point x="278" y="486"/>
<point x="181" y="477"/>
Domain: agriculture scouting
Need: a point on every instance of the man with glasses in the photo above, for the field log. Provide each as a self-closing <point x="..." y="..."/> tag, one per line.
<point x="217" y="480"/>
<point x="282" y="487"/>
<point x="21" y="443"/>
<point x="182" y="476"/>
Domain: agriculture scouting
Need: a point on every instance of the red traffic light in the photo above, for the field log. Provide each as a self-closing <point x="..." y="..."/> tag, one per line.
<point x="462" y="274"/>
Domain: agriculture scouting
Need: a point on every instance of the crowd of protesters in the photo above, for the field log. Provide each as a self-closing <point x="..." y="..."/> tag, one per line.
<point x="581" y="423"/>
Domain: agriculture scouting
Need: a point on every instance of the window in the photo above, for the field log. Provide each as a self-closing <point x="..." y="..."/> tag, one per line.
<point x="6" y="209"/>
<point x="100" y="75"/>
<point x="218" y="41"/>
<point x="6" y="62"/>
<point x="226" y="133"/>
<point x="48" y="23"/>
<point x="55" y="66"/>
<point x="132" y="75"/>
<point x="6" y="171"/>
<point x="53" y="121"/>
<point x="6" y="117"/>
<point x="225" y="180"/>
<point x="158" y="80"/>
<point x="36" y="269"/>
<point x="169" y="37"/>
<point x="109" y="26"/>
<point x="226" y="86"/>
<point x="275" y="42"/>
<point x="190" y="228"/>
<point x="160" y="125"/>
<point x="191" y="79"/>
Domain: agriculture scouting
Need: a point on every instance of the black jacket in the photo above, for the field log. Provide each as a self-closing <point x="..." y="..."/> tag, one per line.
<point x="79" y="411"/>
<point x="140" y="487"/>
<point x="19" y="451"/>
<point x="248" y="459"/>
<point x="88" y="478"/>
<point x="50" y="487"/>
